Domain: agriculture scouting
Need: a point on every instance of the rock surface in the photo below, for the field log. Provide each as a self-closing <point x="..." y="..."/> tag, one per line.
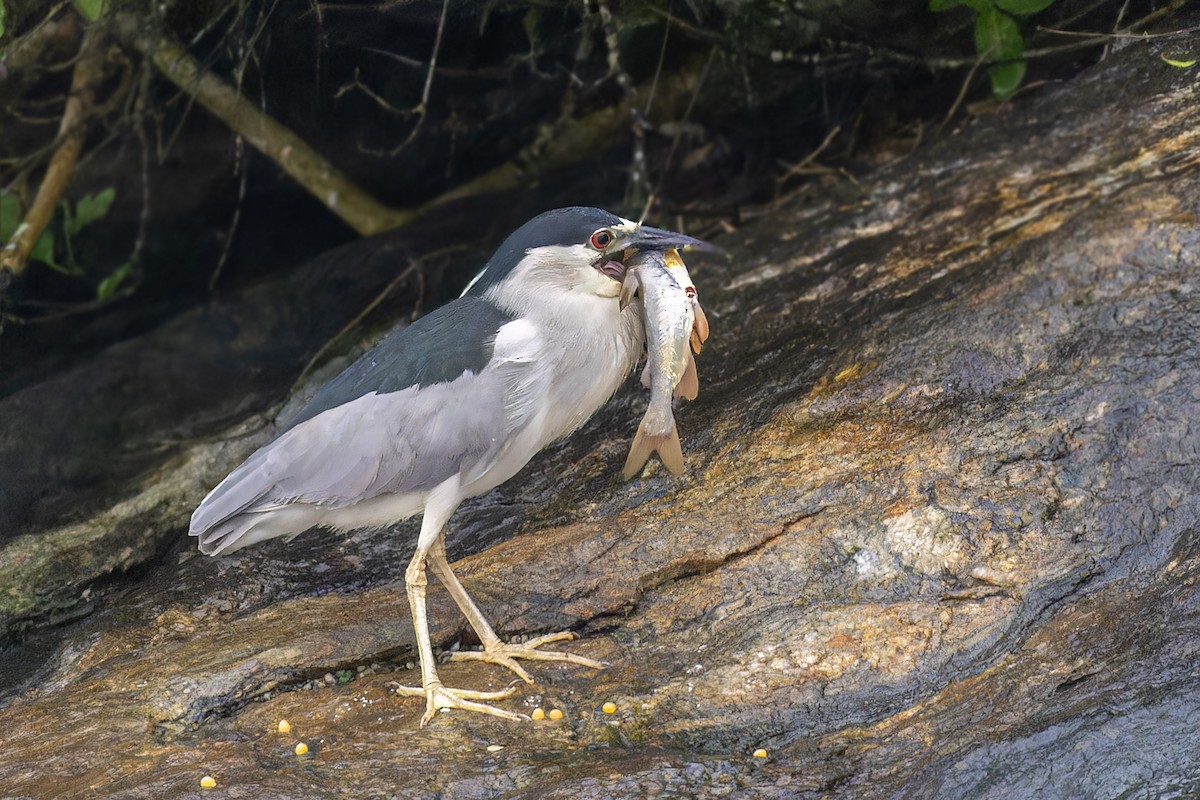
<point x="938" y="537"/>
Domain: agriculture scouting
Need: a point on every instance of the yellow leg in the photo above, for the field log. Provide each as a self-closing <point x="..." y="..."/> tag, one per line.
<point x="438" y="696"/>
<point x="494" y="650"/>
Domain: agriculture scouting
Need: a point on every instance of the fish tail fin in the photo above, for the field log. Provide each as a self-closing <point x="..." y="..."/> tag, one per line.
<point x="645" y="444"/>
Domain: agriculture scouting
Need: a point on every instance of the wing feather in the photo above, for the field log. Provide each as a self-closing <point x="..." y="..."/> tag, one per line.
<point x="400" y="442"/>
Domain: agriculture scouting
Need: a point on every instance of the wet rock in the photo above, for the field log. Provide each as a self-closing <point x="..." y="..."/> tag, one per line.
<point x="938" y="536"/>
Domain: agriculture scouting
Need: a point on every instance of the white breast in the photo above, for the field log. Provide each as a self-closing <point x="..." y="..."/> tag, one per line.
<point x="578" y="347"/>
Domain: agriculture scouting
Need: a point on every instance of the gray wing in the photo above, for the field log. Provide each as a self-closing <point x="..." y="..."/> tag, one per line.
<point x="456" y="338"/>
<point x="397" y="442"/>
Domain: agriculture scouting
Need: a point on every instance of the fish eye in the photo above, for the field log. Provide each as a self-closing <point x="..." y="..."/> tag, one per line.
<point x="601" y="239"/>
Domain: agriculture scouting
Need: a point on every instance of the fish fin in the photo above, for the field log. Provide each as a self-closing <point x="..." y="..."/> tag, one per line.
<point x="699" y="326"/>
<point x="639" y="453"/>
<point x="629" y="285"/>
<point x="645" y="445"/>
<point x="671" y="452"/>
<point x="689" y="385"/>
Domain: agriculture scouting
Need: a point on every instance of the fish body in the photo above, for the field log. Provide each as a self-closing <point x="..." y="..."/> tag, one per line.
<point x="675" y="325"/>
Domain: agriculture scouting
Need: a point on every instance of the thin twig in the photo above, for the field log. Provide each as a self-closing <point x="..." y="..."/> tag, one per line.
<point x="245" y="55"/>
<point x="1103" y="36"/>
<point x="1116" y="27"/>
<point x="687" y="114"/>
<point x="358" y="84"/>
<point x="437" y="46"/>
<point x="420" y="110"/>
<point x="239" y="168"/>
<point x="662" y="57"/>
<point x="322" y="40"/>
<point x="482" y="73"/>
<point x="354" y="323"/>
<point x="215" y="19"/>
<point x="949" y="62"/>
<point x="612" y="41"/>
<point x="639" y="133"/>
<point x="140" y="122"/>
<point x="414" y="265"/>
<point x="962" y="91"/>
<point x="635" y="187"/>
<point x="804" y="163"/>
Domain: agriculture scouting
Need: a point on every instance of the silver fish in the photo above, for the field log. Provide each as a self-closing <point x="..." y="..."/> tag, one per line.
<point x="673" y="319"/>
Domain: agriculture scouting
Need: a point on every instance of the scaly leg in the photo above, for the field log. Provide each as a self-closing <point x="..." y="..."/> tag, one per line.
<point x="494" y="650"/>
<point x="437" y="696"/>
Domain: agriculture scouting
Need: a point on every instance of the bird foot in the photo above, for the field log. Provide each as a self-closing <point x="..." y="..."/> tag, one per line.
<point x="438" y="697"/>
<point x="506" y="654"/>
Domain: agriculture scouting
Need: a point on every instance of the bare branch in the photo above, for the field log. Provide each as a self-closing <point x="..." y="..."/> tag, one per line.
<point x="306" y="166"/>
<point x="14" y="257"/>
<point x="422" y="108"/>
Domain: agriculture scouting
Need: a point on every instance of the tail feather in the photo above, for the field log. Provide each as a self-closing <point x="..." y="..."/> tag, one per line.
<point x="645" y="445"/>
<point x="232" y="534"/>
<point x="242" y="530"/>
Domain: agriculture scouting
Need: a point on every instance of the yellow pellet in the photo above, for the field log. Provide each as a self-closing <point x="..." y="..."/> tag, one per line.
<point x="495" y="748"/>
<point x="555" y="714"/>
<point x="301" y="749"/>
<point x="285" y="726"/>
<point x="208" y="782"/>
<point x="538" y="714"/>
<point x="760" y="753"/>
<point x="609" y="708"/>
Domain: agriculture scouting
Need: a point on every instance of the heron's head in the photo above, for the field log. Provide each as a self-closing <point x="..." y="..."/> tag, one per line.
<point x="569" y="253"/>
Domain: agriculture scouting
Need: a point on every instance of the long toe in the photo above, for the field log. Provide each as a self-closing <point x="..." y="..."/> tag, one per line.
<point x="506" y="654"/>
<point x="438" y="697"/>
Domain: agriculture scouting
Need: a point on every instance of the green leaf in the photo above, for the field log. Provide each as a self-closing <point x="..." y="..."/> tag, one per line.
<point x="90" y="9"/>
<point x="1006" y="78"/>
<point x="89" y="209"/>
<point x="946" y="5"/>
<point x="997" y="35"/>
<point x="10" y="220"/>
<point x="43" y="251"/>
<point x="1181" y="64"/>
<point x="109" y="285"/>
<point x="1022" y="7"/>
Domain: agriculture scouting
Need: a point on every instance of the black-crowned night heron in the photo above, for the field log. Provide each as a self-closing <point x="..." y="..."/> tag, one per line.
<point x="448" y="408"/>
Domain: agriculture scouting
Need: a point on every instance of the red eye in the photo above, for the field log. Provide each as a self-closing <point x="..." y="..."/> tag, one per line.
<point x="601" y="239"/>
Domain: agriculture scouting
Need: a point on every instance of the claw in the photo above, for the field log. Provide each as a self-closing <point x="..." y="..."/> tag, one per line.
<point x="505" y="655"/>
<point x="438" y="697"/>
